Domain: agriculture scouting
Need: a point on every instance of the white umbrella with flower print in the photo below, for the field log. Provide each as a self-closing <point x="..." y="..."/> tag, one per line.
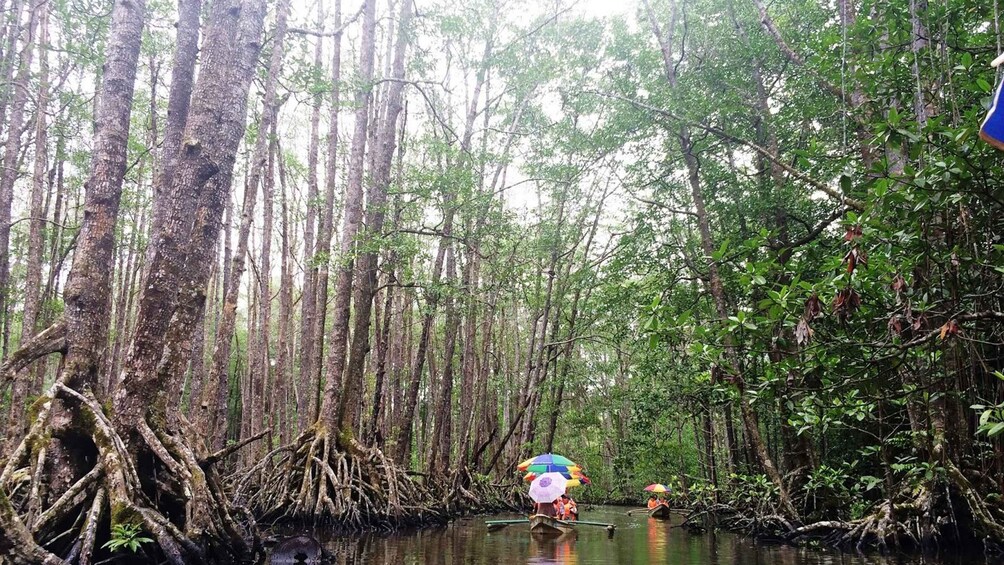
<point x="547" y="487"/>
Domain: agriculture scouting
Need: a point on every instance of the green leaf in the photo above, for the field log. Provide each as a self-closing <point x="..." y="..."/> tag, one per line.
<point x="985" y="417"/>
<point x="845" y="186"/>
<point x="995" y="429"/>
<point x="718" y="255"/>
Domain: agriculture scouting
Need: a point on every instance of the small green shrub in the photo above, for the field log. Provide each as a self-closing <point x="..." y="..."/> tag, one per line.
<point x="126" y="536"/>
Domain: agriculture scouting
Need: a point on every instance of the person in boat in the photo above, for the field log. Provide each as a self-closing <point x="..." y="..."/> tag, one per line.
<point x="652" y="502"/>
<point x="571" y="509"/>
<point x="663" y="501"/>
<point x="559" y="509"/>
<point x="545" y="508"/>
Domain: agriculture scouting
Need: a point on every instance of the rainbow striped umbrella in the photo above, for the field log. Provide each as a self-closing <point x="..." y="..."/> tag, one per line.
<point x="575" y="478"/>
<point x="546" y="460"/>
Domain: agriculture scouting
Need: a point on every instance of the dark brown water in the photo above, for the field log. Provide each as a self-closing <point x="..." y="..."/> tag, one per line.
<point x="638" y="539"/>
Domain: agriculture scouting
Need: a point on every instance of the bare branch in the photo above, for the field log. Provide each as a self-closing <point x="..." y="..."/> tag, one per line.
<point x="333" y="33"/>
<point x="50" y="340"/>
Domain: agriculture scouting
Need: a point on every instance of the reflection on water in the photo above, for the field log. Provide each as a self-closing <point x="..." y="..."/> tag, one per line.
<point x="656" y="541"/>
<point x="553" y="550"/>
<point x="639" y="539"/>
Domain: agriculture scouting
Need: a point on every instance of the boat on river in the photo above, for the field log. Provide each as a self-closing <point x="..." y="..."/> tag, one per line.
<point x="661" y="512"/>
<point x="548" y="525"/>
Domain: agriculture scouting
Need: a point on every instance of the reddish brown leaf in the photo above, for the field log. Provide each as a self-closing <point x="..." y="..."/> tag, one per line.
<point x="898" y="283"/>
<point x="853" y="301"/>
<point x="850" y="260"/>
<point x="845" y="303"/>
<point x="813" y="307"/>
<point x="896" y="324"/>
<point x="838" y="301"/>
<point x="853" y="232"/>
<point x="856" y="256"/>
<point x="949" y="329"/>
<point x="803" y="333"/>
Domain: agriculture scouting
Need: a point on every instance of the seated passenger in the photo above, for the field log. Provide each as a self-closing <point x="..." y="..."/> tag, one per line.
<point x="571" y="509"/>
<point x="559" y="509"/>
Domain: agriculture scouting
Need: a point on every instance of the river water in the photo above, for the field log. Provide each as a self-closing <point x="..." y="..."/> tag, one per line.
<point x="638" y="540"/>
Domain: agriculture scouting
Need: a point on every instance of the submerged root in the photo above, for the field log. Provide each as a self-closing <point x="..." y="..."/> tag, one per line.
<point x="936" y="513"/>
<point x="326" y="478"/>
<point x="176" y="500"/>
<point x="878" y="529"/>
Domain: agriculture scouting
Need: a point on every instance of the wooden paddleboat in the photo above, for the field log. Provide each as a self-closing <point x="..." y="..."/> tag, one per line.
<point x="661" y="512"/>
<point x="550" y="526"/>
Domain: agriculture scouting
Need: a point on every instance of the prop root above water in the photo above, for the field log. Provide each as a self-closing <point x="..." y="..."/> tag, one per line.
<point x="323" y="477"/>
<point x="176" y="500"/>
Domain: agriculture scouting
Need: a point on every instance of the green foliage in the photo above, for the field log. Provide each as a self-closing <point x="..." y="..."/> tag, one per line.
<point x="991" y="420"/>
<point x="854" y="326"/>
<point x="126" y="537"/>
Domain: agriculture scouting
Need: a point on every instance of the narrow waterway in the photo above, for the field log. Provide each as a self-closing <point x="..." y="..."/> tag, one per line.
<point x="638" y="539"/>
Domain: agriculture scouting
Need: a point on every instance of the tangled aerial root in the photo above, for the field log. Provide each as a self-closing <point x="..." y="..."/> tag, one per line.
<point x="180" y="504"/>
<point x="322" y="478"/>
<point x="928" y="519"/>
<point x="333" y="479"/>
<point x="945" y="511"/>
<point x="465" y="493"/>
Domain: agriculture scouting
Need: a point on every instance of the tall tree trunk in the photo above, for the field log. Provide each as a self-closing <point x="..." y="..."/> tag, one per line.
<point x="308" y="295"/>
<point x="88" y="287"/>
<point x="322" y="253"/>
<point x="335" y="406"/>
<point x="468" y="355"/>
<point x="11" y="32"/>
<point x="173" y="296"/>
<point x="186" y="52"/>
<point x="228" y="320"/>
<point x="261" y="373"/>
<point x="383" y="336"/>
<point x="281" y="413"/>
<point x="439" y="454"/>
<point x="388" y="355"/>
<point x="376" y="212"/>
<point x="12" y="149"/>
<point x="22" y="386"/>
<point x="36" y="230"/>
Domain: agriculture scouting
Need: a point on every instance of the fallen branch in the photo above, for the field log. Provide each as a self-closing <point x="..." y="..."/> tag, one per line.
<point x="231" y="449"/>
<point x="49" y="340"/>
